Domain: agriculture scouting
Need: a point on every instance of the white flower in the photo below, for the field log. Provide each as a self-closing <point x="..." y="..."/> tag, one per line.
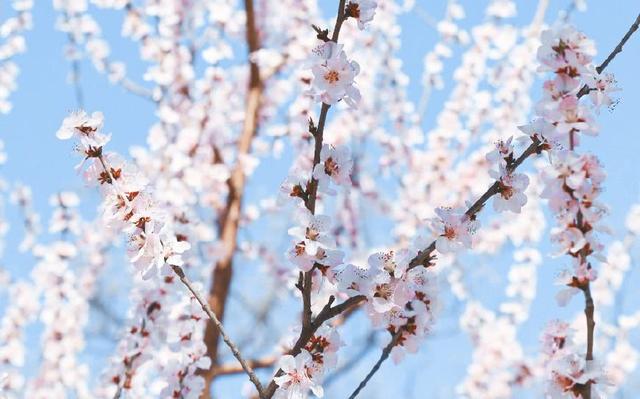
<point x="569" y="291"/>
<point x="555" y="337"/>
<point x="172" y="248"/>
<point x="391" y="262"/>
<point x="502" y="152"/>
<point x="454" y="230"/>
<point x="601" y="88"/>
<point x="333" y="75"/>
<point x="335" y="164"/>
<point x="511" y="186"/>
<point x="312" y="232"/>
<point x="362" y="10"/>
<point x="324" y="257"/>
<point x="633" y="220"/>
<point x="293" y="188"/>
<point x="354" y="280"/>
<point x="88" y="129"/>
<point x="388" y="293"/>
<point x="570" y="371"/>
<point x="295" y="380"/>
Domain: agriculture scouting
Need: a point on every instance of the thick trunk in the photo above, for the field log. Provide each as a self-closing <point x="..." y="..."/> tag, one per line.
<point x="229" y="221"/>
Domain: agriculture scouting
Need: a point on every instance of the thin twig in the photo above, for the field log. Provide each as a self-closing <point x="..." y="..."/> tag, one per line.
<point x="353" y="361"/>
<point x="385" y="354"/>
<point x="228" y="369"/>
<point x="617" y="50"/>
<point x="623" y="41"/>
<point x="234" y="349"/>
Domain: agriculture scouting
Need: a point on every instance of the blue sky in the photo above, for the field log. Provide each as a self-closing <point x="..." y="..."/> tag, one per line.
<point x="44" y="98"/>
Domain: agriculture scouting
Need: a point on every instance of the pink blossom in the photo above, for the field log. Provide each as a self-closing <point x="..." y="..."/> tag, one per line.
<point x="362" y="10"/>
<point x="454" y="229"/>
<point x="333" y="75"/>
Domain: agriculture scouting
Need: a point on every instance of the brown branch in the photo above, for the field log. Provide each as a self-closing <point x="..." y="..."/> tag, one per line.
<point x="353" y="361"/>
<point x="229" y="369"/>
<point x="309" y="326"/>
<point x="618" y="49"/>
<point x="325" y="314"/>
<point x="383" y="356"/>
<point x="230" y="219"/>
<point x="212" y="316"/>
<point x="589" y="307"/>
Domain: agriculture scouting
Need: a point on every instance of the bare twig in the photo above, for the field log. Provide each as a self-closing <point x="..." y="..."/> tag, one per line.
<point x="618" y="49"/>
<point x="212" y="316"/>
<point x="353" y="361"/>
<point x="228" y="369"/>
<point x="385" y="354"/>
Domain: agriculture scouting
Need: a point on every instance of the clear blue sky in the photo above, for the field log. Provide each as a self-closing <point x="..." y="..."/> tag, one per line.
<point x="44" y="97"/>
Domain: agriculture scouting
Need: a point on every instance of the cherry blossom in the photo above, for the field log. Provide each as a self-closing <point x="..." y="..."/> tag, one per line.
<point x="312" y="231"/>
<point x="241" y="91"/>
<point x="334" y="74"/>
<point x="335" y="164"/>
<point x="511" y="187"/>
<point x="296" y="381"/>
<point x="362" y="10"/>
<point x="454" y="229"/>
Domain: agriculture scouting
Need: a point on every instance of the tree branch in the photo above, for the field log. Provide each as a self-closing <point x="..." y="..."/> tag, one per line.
<point x="212" y="316"/>
<point x="385" y="354"/>
<point x="309" y="326"/>
<point x="228" y="369"/>
<point x="230" y="219"/>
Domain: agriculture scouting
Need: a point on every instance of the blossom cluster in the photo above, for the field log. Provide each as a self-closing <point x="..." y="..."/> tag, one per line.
<point x="567" y="371"/>
<point x="306" y="370"/>
<point x="498" y="355"/>
<point x="162" y="317"/>
<point x="400" y="298"/>
<point x="153" y="245"/>
<point x="573" y="182"/>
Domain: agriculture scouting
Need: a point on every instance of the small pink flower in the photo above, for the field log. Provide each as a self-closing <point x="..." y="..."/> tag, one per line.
<point x="333" y="75"/>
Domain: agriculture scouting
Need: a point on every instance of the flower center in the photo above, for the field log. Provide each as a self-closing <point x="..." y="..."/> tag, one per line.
<point x="383" y="291"/>
<point x="300" y="248"/>
<point x="353" y="10"/>
<point x="331" y="167"/>
<point x="505" y="191"/>
<point x="449" y="232"/>
<point x="311" y="233"/>
<point x="332" y="76"/>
